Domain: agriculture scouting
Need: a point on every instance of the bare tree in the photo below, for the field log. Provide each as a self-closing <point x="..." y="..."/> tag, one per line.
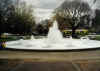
<point x="4" y="12"/>
<point x="16" y="17"/>
<point x="22" y="19"/>
<point x="73" y="12"/>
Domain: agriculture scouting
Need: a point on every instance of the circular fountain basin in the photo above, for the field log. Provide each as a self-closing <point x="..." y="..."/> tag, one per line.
<point x="41" y="44"/>
<point x="54" y="41"/>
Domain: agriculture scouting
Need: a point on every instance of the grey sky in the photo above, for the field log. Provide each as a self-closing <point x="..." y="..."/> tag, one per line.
<point x="48" y="4"/>
<point x="44" y="8"/>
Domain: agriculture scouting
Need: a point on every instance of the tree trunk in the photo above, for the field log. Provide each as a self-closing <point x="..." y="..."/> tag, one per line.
<point x="0" y="35"/>
<point x="74" y="33"/>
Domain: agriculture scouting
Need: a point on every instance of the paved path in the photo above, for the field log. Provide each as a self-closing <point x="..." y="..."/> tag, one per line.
<point x="51" y="56"/>
<point x="50" y="61"/>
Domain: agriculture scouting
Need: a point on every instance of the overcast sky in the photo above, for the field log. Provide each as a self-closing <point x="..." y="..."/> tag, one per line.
<point x="44" y="8"/>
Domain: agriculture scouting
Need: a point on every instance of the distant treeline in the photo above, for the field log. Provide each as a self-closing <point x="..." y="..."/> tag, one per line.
<point x="16" y="19"/>
<point x="20" y="19"/>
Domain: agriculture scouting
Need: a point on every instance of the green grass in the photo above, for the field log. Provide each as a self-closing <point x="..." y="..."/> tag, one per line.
<point x="97" y="38"/>
<point x="8" y="39"/>
<point x="13" y="38"/>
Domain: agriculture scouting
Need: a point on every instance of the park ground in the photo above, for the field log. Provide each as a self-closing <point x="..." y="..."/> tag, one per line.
<point x="86" y="60"/>
<point x="20" y="60"/>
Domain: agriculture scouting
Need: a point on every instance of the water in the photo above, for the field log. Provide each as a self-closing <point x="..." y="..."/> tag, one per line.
<point x="54" y="41"/>
<point x="54" y="35"/>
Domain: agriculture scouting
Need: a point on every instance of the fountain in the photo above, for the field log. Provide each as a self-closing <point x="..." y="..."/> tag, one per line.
<point x="54" y="41"/>
<point x="54" y="35"/>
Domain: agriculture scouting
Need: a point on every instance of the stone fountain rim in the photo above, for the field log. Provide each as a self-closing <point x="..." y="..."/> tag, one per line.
<point x="82" y="49"/>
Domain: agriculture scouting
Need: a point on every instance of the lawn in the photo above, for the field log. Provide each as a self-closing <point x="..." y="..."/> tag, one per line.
<point x="13" y="38"/>
<point x="9" y="38"/>
<point x="97" y="38"/>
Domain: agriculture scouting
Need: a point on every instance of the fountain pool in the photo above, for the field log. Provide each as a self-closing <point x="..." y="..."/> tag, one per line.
<point x="54" y="41"/>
